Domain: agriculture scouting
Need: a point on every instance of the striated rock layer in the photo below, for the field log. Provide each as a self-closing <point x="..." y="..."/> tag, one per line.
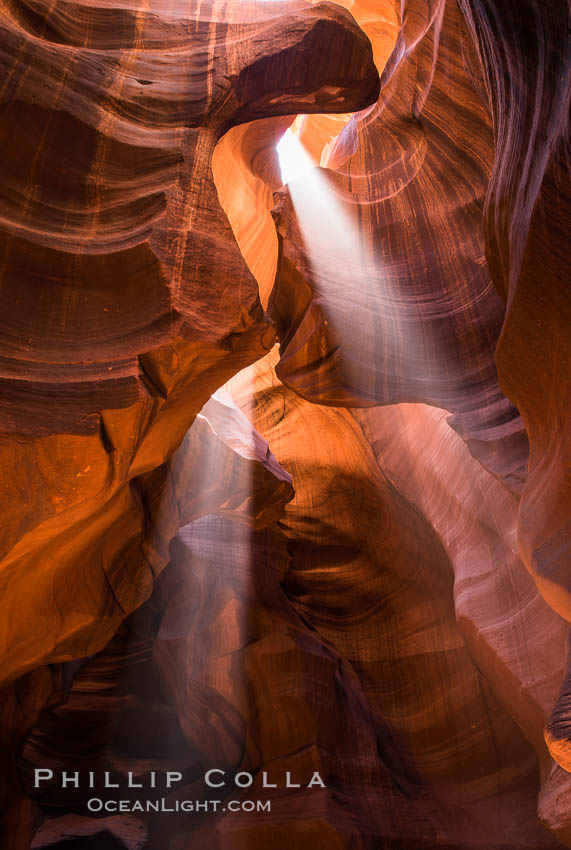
<point x="132" y="297"/>
<point x="449" y="185"/>
<point x="330" y="644"/>
<point x="125" y="299"/>
<point x="424" y="322"/>
<point x="403" y="556"/>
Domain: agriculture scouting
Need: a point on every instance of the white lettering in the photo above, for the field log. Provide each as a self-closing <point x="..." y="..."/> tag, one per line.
<point x="133" y="784"/>
<point x="209" y="774"/>
<point x="40" y="775"/>
<point x="265" y="783"/>
<point x="289" y="783"/>
<point x="108" y="783"/>
<point x="70" y="779"/>
<point x="316" y="780"/>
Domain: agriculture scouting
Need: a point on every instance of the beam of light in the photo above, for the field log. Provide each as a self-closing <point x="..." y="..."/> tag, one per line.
<point x="207" y="623"/>
<point x="294" y="159"/>
<point x="351" y="288"/>
<point x="391" y="336"/>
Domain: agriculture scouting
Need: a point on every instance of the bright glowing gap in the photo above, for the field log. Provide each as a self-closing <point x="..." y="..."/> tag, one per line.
<point x="294" y="159"/>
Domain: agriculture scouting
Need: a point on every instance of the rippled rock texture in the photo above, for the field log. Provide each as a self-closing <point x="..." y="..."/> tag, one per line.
<point x="125" y="299"/>
<point x="355" y="559"/>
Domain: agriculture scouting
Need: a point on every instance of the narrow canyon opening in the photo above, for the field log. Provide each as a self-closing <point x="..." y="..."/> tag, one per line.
<point x="283" y="423"/>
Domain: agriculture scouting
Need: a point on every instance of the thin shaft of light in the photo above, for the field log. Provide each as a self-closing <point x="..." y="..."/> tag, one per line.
<point x="343" y="272"/>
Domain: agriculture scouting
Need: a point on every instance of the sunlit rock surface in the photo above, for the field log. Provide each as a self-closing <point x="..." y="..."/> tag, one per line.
<point x="455" y="140"/>
<point x="171" y="690"/>
<point x="424" y="322"/>
<point x="127" y="301"/>
<point x="384" y="598"/>
<point x="403" y="555"/>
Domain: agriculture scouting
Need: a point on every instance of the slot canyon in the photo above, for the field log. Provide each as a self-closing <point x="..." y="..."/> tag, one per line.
<point x="284" y="424"/>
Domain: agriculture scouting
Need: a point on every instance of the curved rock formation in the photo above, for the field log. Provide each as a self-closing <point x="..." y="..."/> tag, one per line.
<point x="452" y="201"/>
<point x="170" y="689"/>
<point x="426" y="303"/>
<point x="526" y="221"/>
<point x="120" y="251"/>
<point x="403" y="556"/>
<point x="126" y="301"/>
<point x="456" y="135"/>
